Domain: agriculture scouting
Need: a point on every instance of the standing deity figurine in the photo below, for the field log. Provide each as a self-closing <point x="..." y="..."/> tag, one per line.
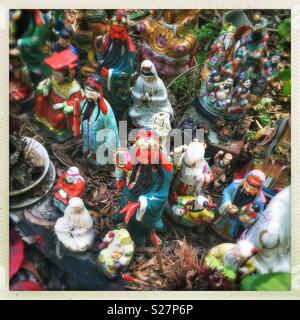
<point x="150" y="96"/>
<point x="116" y="252"/>
<point x="220" y="168"/>
<point x="235" y="197"/>
<point x="145" y="177"/>
<point x="115" y="53"/>
<point x="55" y="93"/>
<point x="69" y="185"/>
<point x="75" y="229"/>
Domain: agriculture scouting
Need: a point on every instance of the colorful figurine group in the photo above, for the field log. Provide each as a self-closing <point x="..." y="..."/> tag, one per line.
<point x="83" y="91"/>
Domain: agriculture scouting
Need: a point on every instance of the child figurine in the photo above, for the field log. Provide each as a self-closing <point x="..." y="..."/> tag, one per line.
<point x="234" y="198"/>
<point x="68" y="186"/>
<point x="98" y="124"/>
<point x="190" y="211"/>
<point x="220" y="168"/>
<point x="116" y="252"/>
<point x="150" y="97"/>
<point x="194" y="172"/>
<point x="55" y="93"/>
<point x="231" y="258"/>
<point x="75" y="228"/>
<point x="145" y="177"/>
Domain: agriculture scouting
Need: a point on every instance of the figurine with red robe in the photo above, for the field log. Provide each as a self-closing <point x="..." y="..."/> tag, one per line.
<point x="68" y="186"/>
<point x="57" y="92"/>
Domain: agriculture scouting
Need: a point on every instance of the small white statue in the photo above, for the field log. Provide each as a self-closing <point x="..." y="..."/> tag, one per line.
<point x="75" y="228"/>
<point x="150" y="96"/>
<point x="271" y="235"/>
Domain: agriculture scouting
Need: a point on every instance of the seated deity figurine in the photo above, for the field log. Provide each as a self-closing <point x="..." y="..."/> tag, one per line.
<point x="220" y="168"/>
<point x="239" y="96"/>
<point x="115" y="52"/>
<point x="144" y="177"/>
<point x="235" y="197"/>
<point x="194" y="172"/>
<point x="168" y="42"/>
<point x="271" y="235"/>
<point x="116" y="252"/>
<point x="150" y="96"/>
<point x="222" y="48"/>
<point x="55" y="92"/>
<point x="98" y="124"/>
<point x="75" y="229"/>
<point x="190" y="211"/>
<point x="69" y="185"/>
<point x="232" y="258"/>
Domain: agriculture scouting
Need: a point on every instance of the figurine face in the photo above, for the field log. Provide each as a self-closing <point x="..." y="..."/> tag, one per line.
<point x="118" y="32"/>
<point x="275" y="59"/>
<point x="71" y="179"/>
<point x="228" y="83"/>
<point x="147" y="74"/>
<point x="58" y="76"/>
<point x="247" y="84"/>
<point x="91" y="94"/>
<point x="65" y="43"/>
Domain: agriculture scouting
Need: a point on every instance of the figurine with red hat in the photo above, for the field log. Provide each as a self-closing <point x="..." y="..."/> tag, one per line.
<point x="115" y="56"/>
<point x="145" y="181"/>
<point x="98" y="124"/>
<point x="56" y="93"/>
<point x="69" y="185"/>
<point x="236" y="198"/>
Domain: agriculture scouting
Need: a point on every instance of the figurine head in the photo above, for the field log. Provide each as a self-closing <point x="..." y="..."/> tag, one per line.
<point x="275" y="57"/>
<point x="76" y="205"/>
<point x="64" y="39"/>
<point x="227" y="158"/>
<point x="244" y="250"/>
<point x="229" y="38"/>
<point x="247" y="84"/>
<point x="194" y="153"/>
<point x="72" y="175"/>
<point x="97" y="20"/>
<point x="215" y="75"/>
<point x="119" y="23"/>
<point x="148" y="71"/>
<point x="92" y="88"/>
<point x="228" y="83"/>
<point x="201" y="203"/>
<point x="254" y="182"/>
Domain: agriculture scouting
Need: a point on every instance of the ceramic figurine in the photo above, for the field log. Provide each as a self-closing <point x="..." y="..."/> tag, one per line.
<point x="191" y="211"/>
<point x="145" y="177"/>
<point x="271" y="235"/>
<point x="116" y="252"/>
<point x="232" y="259"/>
<point x="244" y="62"/>
<point x="234" y="197"/>
<point x="69" y="185"/>
<point x="98" y="124"/>
<point x="32" y="44"/>
<point x="167" y="41"/>
<point x="75" y="229"/>
<point x="222" y="48"/>
<point x="220" y="168"/>
<point x="194" y="172"/>
<point x="150" y="96"/>
<point x="55" y="93"/>
<point x="20" y="84"/>
<point x="115" y="53"/>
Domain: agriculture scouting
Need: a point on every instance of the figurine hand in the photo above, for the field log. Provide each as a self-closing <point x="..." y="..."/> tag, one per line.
<point x="129" y="210"/>
<point x="104" y="72"/>
<point x="62" y="193"/>
<point x="58" y="106"/>
<point x="232" y="209"/>
<point x="120" y="184"/>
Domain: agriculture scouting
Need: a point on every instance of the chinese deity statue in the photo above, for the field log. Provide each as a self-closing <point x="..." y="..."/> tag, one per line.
<point x="220" y="168"/>
<point x="232" y="259"/>
<point x="150" y="96"/>
<point x="239" y="56"/>
<point x="75" y="229"/>
<point x="194" y="171"/>
<point x="32" y="43"/>
<point x="98" y="124"/>
<point x="116" y="252"/>
<point x="167" y="41"/>
<point x="115" y="53"/>
<point x="144" y="177"/>
<point x="235" y="197"/>
<point x="55" y="93"/>
<point x="271" y="235"/>
<point x="68" y="186"/>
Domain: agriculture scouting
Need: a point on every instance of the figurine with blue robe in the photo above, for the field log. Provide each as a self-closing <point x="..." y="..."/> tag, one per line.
<point x="145" y="179"/>
<point x="234" y="198"/>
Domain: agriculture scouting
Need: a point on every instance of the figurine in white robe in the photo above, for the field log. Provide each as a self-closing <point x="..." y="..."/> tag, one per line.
<point x="150" y="96"/>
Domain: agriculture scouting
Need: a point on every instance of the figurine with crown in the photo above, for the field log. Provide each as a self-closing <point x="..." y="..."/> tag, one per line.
<point x="116" y="53"/>
<point x="144" y="174"/>
<point x="57" y="92"/>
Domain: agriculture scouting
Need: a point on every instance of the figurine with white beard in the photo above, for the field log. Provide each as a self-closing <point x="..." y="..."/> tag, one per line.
<point x="75" y="229"/>
<point x="150" y="97"/>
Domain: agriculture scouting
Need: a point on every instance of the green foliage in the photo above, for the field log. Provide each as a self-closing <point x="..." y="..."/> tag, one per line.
<point x="250" y="135"/>
<point x="284" y="31"/>
<point x="278" y="281"/>
<point x="285" y="76"/>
